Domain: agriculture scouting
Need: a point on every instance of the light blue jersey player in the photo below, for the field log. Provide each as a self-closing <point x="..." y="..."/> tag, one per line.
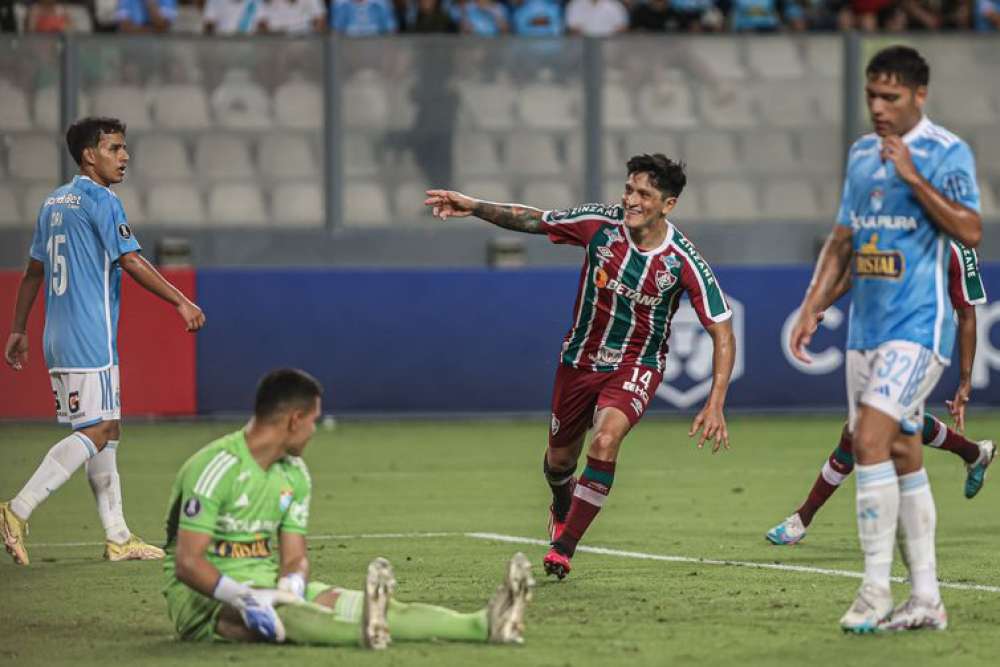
<point x="82" y="243"/>
<point x="910" y="187"/>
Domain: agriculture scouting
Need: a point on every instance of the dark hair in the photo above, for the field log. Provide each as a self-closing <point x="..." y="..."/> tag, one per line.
<point x="283" y="388"/>
<point x="902" y="62"/>
<point x="665" y="174"/>
<point x="86" y="133"/>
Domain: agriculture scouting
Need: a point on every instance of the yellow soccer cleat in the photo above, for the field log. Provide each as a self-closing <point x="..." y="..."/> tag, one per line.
<point x="12" y="530"/>
<point x="132" y="549"/>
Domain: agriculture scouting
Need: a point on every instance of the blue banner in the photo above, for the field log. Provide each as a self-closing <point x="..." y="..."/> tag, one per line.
<point x="476" y="340"/>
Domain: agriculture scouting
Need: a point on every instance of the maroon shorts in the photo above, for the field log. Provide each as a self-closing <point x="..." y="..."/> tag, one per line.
<point x="578" y="394"/>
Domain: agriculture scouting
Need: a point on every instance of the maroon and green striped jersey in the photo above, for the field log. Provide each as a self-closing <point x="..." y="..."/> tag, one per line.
<point x="627" y="296"/>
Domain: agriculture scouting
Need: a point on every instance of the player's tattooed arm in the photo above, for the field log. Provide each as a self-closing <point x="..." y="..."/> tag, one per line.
<point x="514" y="217"/>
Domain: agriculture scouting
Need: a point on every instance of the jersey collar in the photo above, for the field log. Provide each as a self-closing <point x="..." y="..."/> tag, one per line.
<point x="658" y="249"/>
<point x="915" y="132"/>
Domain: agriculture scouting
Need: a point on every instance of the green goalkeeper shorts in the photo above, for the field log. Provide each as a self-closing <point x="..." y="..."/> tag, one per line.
<point x="194" y="615"/>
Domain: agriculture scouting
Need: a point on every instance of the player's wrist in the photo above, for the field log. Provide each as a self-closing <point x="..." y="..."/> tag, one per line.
<point x="229" y="591"/>
<point x="294" y="583"/>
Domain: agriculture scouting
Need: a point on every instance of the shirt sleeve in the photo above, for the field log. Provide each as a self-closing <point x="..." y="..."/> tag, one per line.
<point x="112" y="228"/>
<point x="576" y="226"/>
<point x="37" y="250"/>
<point x="296" y="519"/>
<point x="205" y="486"/>
<point x="965" y="282"/>
<point x="703" y="289"/>
<point x="955" y="176"/>
<point x="844" y="212"/>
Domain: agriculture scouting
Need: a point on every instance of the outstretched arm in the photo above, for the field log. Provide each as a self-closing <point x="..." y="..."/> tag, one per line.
<point x="823" y="290"/>
<point x="515" y="217"/>
<point x="966" y="356"/>
<point x="146" y="275"/>
<point x="711" y="420"/>
<point x="16" y="349"/>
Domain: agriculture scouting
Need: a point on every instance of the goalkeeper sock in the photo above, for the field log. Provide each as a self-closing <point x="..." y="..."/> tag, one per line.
<point x="311" y="624"/>
<point x="56" y="468"/>
<point x="562" y="483"/>
<point x="917" y="521"/>
<point x="102" y="473"/>
<point x="878" y="513"/>
<point x="588" y="497"/>
<point x="835" y="470"/>
<point x="937" y="434"/>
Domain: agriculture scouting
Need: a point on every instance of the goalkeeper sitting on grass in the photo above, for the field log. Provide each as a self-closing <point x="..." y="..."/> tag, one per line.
<point x="237" y="567"/>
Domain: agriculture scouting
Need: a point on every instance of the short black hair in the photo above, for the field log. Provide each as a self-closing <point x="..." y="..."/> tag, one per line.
<point x="903" y="63"/>
<point x="665" y="174"/>
<point x="86" y="133"/>
<point x="284" y="388"/>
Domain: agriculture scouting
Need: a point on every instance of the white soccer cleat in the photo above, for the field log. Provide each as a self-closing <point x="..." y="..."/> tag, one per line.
<point x="505" y="611"/>
<point x="379" y="586"/>
<point x="872" y="606"/>
<point x="788" y="532"/>
<point x="916" y="614"/>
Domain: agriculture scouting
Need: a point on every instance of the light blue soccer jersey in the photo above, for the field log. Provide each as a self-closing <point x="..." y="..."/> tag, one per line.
<point x="900" y="269"/>
<point x="80" y="234"/>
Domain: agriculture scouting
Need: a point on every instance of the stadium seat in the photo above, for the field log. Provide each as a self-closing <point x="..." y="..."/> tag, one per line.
<point x="730" y="200"/>
<point x="47" y="108"/>
<point x="487" y="105"/>
<point x="825" y="57"/>
<point x="612" y="190"/>
<point x="532" y="155"/>
<point x="667" y="103"/>
<point x="769" y="151"/>
<point x="611" y="158"/>
<point x="365" y="100"/>
<point x="830" y="100"/>
<point x="10" y="214"/>
<point x="13" y="108"/>
<point x="298" y="205"/>
<point x="236" y="205"/>
<point x="790" y="200"/>
<point x="240" y="102"/>
<point x="33" y="157"/>
<point x="181" y="106"/>
<point x="689" y="206"/>
<point x="959" y="105"/>
<point x="618" y="106"/>
<point x="365" y="204"/>
<point x="710" y="153"/>
<point x="791" y="104"/>
<point x="160" y="157"/>
<point x="549" y="105"/>
<point x="32" y="198"/>
<point x="122" y="101"/>
<point x="358" y="155"/>
<point x="775" y="57"/>
<point x="286" y="156"/>
<point x="222" y="157"/>
<point x="728" y="106"/>
<point x="644" y="141"/>
<point x="829" y="199"/>
<point x="177" y="204"/>
<point x="131" y="201"/>
<point x="475" y="154"/>
<point x="721" y="58"/>
<point x="299" y="104"/>
<point x="490" y="190"/>
<point x="549" y="195"/>
<point x="987" y="146"/>
<point x="988" y="201"/>
<point x="822" y="151"/>
<point x="408" y="203"/>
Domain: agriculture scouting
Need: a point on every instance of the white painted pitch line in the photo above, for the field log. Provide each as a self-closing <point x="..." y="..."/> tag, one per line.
<point x="602" y="551"/>
<point x="709" y="561"/>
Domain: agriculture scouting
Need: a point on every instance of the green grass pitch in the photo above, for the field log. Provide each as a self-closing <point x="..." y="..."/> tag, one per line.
<point x="69" y="607"/>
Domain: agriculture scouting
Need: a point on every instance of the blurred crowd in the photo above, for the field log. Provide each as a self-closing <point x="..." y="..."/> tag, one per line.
<point x="533" y="18"/>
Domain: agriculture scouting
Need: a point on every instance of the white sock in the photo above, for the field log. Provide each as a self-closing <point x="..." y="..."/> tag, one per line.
<point x="56" y="468"/>
<point x="878" y="512"/>
<point x="917" y="521"/>
<point x="102" y="472"/>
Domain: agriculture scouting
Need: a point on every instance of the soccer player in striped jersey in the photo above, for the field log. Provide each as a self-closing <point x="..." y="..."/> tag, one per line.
<point x="637" y="265"/>
<point x="237" y="565"/>
<point x="910" y="186"/>
<point x="966" y="290"/>
<point x="82" y="243"/>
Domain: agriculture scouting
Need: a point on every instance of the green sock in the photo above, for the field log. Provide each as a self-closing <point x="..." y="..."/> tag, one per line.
<point x="421" y="622"/>
<point x="309" y="623"/>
